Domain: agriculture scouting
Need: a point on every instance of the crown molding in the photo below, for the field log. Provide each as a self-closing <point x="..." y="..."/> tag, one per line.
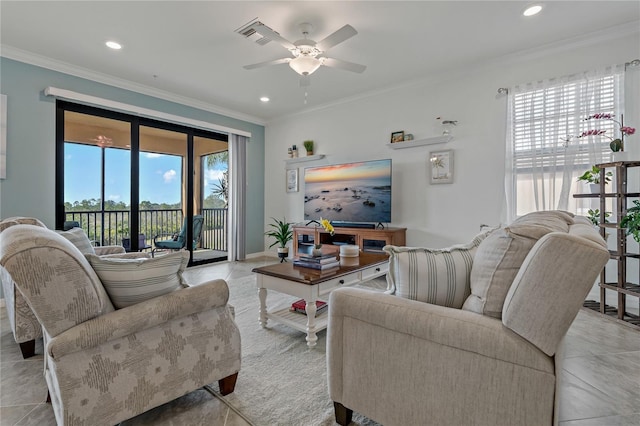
<point x="20" y="55"/>
<point x="585" y="40"/>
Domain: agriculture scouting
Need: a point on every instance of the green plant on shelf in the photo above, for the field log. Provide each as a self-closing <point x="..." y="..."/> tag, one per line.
<point x="593" y="176"/>
<point x="631" y="221"/>
<point x="594" y="216"/>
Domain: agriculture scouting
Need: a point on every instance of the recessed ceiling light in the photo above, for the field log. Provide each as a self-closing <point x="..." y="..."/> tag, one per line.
<point x="113" y="45"/>
<point x="264" y="99"/>
<point x="532" y="10"/>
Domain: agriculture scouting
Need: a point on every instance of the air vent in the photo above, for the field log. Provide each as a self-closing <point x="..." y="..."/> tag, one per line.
<point x="249" y="31"/>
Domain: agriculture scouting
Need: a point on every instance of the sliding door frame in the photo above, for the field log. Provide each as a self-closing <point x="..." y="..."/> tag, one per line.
<point x="135" y="123"/>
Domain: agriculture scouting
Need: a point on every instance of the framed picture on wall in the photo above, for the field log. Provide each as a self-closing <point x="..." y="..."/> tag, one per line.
<point x="397" y="136"/>
<point x="441" y="166"/>
<point x="292" y="180"/>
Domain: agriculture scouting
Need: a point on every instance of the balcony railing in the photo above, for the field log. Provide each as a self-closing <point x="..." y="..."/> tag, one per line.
<point x="110" y="227"/>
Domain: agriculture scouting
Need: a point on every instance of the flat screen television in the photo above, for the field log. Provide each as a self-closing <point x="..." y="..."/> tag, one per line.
<point x="349" y="194"/>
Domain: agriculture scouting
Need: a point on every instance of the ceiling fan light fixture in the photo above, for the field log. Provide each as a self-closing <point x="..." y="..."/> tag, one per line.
<point x="305" y="65"/>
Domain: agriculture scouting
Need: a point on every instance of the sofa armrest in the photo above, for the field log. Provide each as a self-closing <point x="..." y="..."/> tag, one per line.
<point x="102" y="250"/>
<point x="125" y="255"/>
<point x="144" y="315"/>
<point x="421" y="356"/>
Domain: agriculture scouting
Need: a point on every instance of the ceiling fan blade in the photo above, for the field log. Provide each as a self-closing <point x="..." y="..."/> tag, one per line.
<point x="267" y="63"/>
<point x="337" y="37"/>
<point x="267" y="32"/>
<point x="344" y="65"/>
<point x="305" y="81"/>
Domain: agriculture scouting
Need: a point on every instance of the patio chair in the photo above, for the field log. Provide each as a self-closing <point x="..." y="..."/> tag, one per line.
<point x="178" y="240"/>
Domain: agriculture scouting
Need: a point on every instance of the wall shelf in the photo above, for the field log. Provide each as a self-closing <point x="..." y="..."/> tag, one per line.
<point x="303" y="159"/>
<point x="420" y="142"/>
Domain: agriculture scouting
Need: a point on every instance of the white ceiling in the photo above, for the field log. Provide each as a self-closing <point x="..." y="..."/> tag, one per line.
<point x="188" y="50"/>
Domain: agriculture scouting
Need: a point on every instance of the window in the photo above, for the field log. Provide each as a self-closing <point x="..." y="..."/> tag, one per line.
<point x="544" y="154"/>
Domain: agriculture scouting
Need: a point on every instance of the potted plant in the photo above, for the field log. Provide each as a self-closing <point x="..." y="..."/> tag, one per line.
<point x="308" y="145"/>
<point x="631" y="221"/>
<point x="592" y="176"/>
<point x="283" y="233"/>
<point x="594" y="216"/>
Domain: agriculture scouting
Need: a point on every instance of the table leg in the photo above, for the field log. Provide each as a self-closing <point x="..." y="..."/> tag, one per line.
<point x="311" y="309"/>
<point x="262" y="295"/>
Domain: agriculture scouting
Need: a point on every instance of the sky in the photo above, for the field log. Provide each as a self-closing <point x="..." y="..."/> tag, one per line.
<point x="160" y="175"/>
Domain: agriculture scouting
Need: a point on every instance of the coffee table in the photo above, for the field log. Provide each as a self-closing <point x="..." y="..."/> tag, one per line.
<point x="311" y="284"/>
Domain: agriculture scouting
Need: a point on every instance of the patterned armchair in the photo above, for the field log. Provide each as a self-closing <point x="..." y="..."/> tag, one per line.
<point x="104" y="365"/>
<point x="24" y="325"/>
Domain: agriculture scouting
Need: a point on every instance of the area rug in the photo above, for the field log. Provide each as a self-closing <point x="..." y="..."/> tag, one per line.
<point x="281" y="381"/>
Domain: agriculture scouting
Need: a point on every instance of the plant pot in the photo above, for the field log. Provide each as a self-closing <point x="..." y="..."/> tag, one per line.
<point x="316" y="252"/>
<point x="595" y="188"/>
<point x="283" y="253"/>
<point x="309" y="153"/>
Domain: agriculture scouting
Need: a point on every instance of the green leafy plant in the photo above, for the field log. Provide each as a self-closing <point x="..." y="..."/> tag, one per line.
<point x="308" y="145"/>
<point x="594" y="216"/>
<point x="593" y="175"/>
<point x="631" y="221"/>
<point x="282" y="232"/>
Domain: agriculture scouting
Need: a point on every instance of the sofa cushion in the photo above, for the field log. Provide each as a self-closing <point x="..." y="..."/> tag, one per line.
<point x="130" y="281"/>
<point x="78" y="238"/>
<point x="436" y="276"/>
<point x="500" y="255"/>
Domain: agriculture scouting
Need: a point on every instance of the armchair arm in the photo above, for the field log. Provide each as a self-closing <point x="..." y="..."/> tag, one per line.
<point x="130" y="255"/>
<point x="424" y="357"/>
<point x="150" y="313"/>
<point x="103" y="250"/>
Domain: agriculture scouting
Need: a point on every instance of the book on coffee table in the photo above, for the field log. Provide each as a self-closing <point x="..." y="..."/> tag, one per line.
<point x="300" y="306"/>
<point x="327" y="258"/>
<point x="315" y="265"/>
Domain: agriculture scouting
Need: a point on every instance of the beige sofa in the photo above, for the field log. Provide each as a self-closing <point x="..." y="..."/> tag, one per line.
<point x="24" y="325"/>
<point x="491" y="356"/>
<point x="121" y="336"/>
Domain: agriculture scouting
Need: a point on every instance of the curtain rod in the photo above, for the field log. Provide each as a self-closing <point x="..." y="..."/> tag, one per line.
<point x="136" y="110"/>
<point x="633" y="63"/>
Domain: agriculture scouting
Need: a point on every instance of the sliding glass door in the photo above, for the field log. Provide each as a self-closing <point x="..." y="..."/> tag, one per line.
<point x="142" y="183"/>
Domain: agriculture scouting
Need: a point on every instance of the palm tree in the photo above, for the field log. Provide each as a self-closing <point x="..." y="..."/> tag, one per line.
<point x="221" y="189"/>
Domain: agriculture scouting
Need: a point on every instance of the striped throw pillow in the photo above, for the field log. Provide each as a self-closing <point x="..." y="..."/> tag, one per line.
<point x="131" y="281"/>
<point x="78" y="238"/>
<point x="436" y="276"/>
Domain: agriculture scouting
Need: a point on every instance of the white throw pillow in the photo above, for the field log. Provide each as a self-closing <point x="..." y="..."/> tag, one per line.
<point x="436" y="276"/>
<point x="78" y="238"/>
<point x="131" y="281"/>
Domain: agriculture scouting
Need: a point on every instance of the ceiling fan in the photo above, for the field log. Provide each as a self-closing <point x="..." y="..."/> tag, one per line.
<point x="307" y="55"/>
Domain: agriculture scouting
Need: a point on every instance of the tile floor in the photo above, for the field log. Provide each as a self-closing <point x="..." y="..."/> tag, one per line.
<point x="600" y="377"/>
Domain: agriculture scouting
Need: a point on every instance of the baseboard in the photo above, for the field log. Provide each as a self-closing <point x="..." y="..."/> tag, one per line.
<point x="262" y="254"/>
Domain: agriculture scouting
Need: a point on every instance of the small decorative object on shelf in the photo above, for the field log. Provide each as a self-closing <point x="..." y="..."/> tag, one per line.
<point x="397" y="136"/>
<point x="447" y="126"/>
<point x="294" y="149"/>
<point x="408" y="137"/>
<point x="290" y="152"/>
<point x="308" y="145"/>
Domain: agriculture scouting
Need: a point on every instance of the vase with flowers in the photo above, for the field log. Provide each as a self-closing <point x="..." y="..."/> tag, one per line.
<point x="617" y="143"/>
<point x="328" y="227"/>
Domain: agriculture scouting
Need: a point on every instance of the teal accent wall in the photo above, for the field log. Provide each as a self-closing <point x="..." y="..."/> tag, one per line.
<point x="29" y="189"/>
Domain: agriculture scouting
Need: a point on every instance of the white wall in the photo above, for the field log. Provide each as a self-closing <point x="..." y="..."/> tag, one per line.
<point x="435" y="215"/>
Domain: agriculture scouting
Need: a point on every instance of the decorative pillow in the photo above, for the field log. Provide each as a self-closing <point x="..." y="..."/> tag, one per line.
<point x="130" y="281"/>
<point x="436" y="276"/>
<point x="500" y="255"/>
<point x="78" y="238"/>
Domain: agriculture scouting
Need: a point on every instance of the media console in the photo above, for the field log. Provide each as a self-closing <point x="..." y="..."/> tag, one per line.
<point x="369" y="240"/>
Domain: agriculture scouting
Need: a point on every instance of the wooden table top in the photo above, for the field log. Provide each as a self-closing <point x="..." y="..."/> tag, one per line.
<point x="288" y="271"/>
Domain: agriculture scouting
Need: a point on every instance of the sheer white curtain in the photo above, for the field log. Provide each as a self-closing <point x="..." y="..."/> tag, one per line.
<point x="237" y="196"/>
<point x="544" y="157"/>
